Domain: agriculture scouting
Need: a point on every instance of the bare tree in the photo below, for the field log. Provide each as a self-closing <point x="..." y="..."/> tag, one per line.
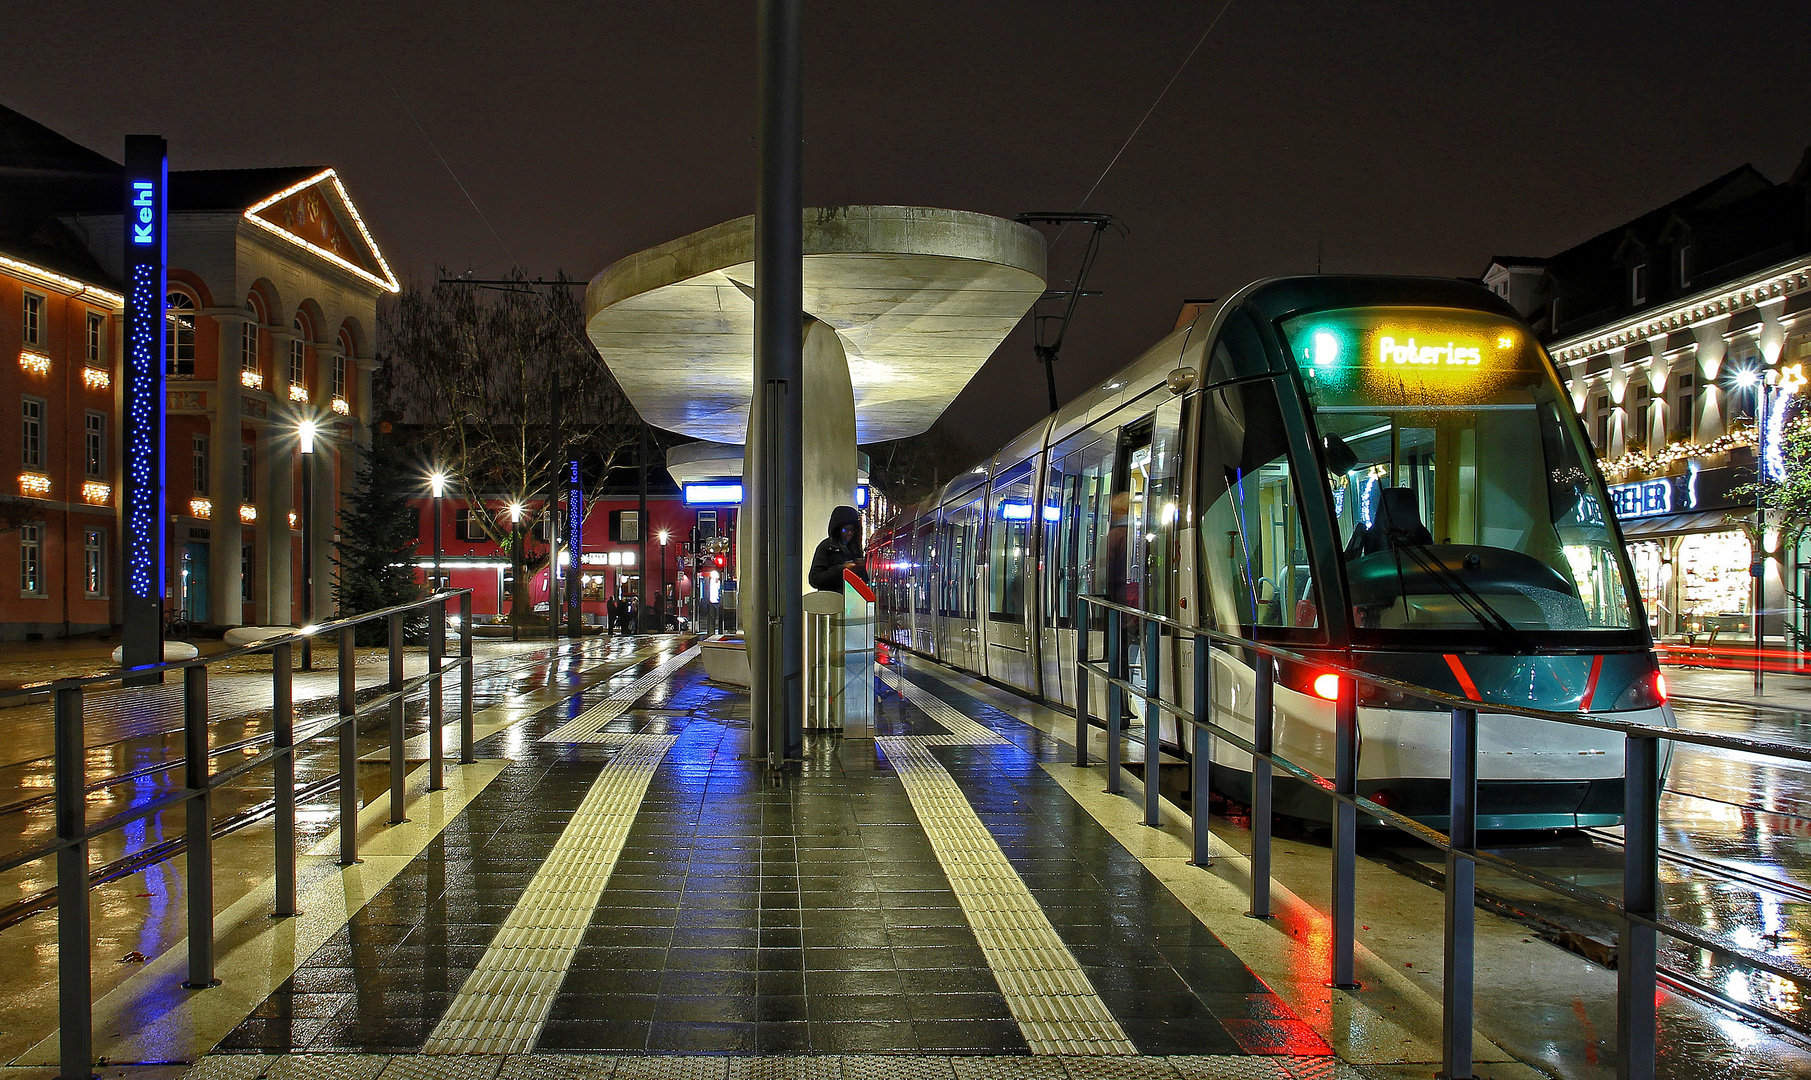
<point x="507" y="388"/>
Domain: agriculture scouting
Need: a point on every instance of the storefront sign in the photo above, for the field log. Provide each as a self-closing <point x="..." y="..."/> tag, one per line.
<point x="1643" y="498"/>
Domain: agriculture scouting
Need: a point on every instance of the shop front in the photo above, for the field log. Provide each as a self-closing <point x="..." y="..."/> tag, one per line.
<point x="1691" y="553"/>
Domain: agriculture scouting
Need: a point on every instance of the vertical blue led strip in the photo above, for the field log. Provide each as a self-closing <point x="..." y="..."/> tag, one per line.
<point x="575" y="538"/>
<point x="146" y="241"/>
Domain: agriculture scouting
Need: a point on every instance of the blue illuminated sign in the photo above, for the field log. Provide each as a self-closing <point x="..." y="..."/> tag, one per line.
<point x="147" y="258"/>
<point x="1644" y="498"/>
<point x="713" y="494"/>
<point x="575" y="532"/>
<point x="861" y="495"/>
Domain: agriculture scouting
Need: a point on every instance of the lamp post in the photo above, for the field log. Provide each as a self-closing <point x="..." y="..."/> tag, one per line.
<point x="516" y="565"/>
<point x="662" y="536"/>
<point x="305" y="433"/>
<point x="437" y="483"/>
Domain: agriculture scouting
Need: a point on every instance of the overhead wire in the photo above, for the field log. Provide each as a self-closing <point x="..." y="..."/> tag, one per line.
<point x="449" y="168"/>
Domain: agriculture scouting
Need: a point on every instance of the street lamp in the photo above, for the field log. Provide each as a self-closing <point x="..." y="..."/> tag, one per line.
<point x="437" y="484"/>
<point x="305" y="434"/>
<point x="662" y="537"/>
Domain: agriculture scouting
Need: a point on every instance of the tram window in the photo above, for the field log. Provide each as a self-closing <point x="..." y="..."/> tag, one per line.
<point x="1467" y="501"/>
<point x="924" y="557"/>
<point x="1010" y="544"/>
<point x="1253" y="555"/>
<point x="1086" y="519"/>
<point x="1162" y="508"/>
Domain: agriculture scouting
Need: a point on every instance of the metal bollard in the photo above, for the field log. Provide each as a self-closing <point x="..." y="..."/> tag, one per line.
<point x="1636" y="955"/>
<point x="283" y="780"/>
<point x="198" y="831"/>
<point x="436" y="698"/>
<point x="398" y="751"/>
<point x="1461" y="896"/>
<point x="1116" y="674"/>
<point x="348" y="734"/>
<point x="1263" y="734"/>
<point x="1201" y="762"/>
<point x="1345" y="832"/>
<point x="75" y="987"/>
<point x="465" y="679"/>
<point x="1081" y="682"/>
<point x="1153" y="732"/>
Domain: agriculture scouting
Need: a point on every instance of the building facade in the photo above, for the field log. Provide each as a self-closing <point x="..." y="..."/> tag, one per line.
<point x="1682" y="336"/>
<point x="270" y="315"/>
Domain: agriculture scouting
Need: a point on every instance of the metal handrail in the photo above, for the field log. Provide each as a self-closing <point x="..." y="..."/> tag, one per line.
<point x="1638" y="909"/>
<point x="75" y="992"/>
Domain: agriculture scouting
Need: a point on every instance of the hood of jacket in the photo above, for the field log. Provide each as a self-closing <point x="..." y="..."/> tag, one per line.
<point x="845" y="515"/>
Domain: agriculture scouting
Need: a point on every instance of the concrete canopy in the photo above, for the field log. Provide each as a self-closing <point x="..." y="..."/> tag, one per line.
<point x="920" y="298"/>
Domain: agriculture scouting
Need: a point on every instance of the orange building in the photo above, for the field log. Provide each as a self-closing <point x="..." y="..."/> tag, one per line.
<point x="273" y="287"/>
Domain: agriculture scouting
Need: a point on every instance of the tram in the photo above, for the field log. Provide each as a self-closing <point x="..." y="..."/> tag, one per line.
<point x="1381" y="473"/>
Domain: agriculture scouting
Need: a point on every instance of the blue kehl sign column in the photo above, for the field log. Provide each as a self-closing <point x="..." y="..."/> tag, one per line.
<point x="575" y="543"/>
<point x="146" y="265"/>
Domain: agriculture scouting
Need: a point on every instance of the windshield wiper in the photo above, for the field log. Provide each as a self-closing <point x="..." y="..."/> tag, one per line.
<point x="1506" y="632"/>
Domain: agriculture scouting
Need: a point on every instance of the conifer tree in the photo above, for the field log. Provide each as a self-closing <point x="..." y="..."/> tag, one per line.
<point x="376" y="550"/>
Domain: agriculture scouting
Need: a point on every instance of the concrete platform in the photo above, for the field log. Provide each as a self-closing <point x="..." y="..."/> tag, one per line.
<point x="614" y="892"/>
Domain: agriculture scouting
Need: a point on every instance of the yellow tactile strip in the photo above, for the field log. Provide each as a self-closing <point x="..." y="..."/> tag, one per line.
<point x="794" y="1067"/>
<point x="962" y="730"/>
<point x="506" y="999"/>
<point x="588" y="725"/>
<point x="1056" y="1007"/>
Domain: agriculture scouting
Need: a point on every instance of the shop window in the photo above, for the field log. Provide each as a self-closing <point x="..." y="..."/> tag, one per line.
<point x="31" y="559"/>
<point x="179" y="335"/>
<point x="94" y="439"/>
<point x="94" y="563"/>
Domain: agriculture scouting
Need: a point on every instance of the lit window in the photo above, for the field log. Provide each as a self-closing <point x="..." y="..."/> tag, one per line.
<point x="339" y="377"/>
<point x="94" y="444"/>
<point x="179" y="335"/>
<point x="298" y="370"/>
<point x="200" y="459"/>
<point x="31" y="433"/>
<point x="31" y="559"/>
<point x="248" y="346"/>
<point x="94" y="563"/>
<point x="34" y="319"/>
<point x="96" y="332"/>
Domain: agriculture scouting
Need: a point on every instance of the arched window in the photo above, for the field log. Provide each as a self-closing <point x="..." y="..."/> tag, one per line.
<point x="298" y="365"/>
<point x="249" y="375"/>
<point x="179" y="335"/>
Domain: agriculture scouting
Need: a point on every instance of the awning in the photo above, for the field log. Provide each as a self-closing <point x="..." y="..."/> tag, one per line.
<point x="1673" y="524"/>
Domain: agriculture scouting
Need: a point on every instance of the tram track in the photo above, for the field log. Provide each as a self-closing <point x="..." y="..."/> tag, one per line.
<point x="140" y="859"/>
<point x="1595" y="948"/>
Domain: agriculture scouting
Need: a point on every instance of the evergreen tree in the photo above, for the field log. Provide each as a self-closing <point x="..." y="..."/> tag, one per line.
<point x="376" y="549"/>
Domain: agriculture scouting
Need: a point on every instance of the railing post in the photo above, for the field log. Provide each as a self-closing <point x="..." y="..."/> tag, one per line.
<point x="1201" y="761"/>
<point x="437" y="696"/>
<point x="1345" y="831"/>
<point x="1116" y="697"/>
<point x="1263" y="731"/>
<point x="398" y="752"/>
<point x="1081" y="682"/>
<point x="1153" y="719"/>
<point x="1461" y="896"/>
<point x="1636" y="956"/>
<point x="465" y="679"/>
<point x="348" y="732"/>
<point x="283" y="782"/>
<point x="198" y="831"/>
<point x="75" y="988"/>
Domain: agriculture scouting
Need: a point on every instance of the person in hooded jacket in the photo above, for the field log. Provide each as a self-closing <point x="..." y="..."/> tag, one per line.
<point x="840" y="550"/>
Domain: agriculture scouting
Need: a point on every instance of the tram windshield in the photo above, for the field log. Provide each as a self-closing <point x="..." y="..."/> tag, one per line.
<point x="1465" y="500"/>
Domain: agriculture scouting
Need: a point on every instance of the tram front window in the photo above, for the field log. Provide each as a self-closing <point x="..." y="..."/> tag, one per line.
<point x="1466" y="502"/>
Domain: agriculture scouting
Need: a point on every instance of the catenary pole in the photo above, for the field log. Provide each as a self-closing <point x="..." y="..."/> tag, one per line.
<point x="776" y="669"/>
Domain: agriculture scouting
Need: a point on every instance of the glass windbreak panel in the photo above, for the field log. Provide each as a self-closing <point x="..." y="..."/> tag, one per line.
<point x="1010" y="540"/>
<point x="1255" y="569"/>
<point x="1466" y="497"/>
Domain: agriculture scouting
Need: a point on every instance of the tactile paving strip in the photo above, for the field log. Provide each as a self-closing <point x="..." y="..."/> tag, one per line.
<point x="588" y="725"/>
<point x="1056" y="1007"/>
<point x="896" y="1067"/>
<point x="327" y="1066"/>
<point x="473" y="1067"/>
<point x="553" y="1066"/>
<point x="506" y="999"/>
<point x="789" y="1067"/>
<point x="963" y="731"/>
<point x="672" y="1067"/>
<point x="768" y="1067"/>
<point x="1231" y="1068"/>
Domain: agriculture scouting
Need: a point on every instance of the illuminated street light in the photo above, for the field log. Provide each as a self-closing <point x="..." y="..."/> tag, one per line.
<point x="437" y="484"/>
<point x="305" y="432"/>
<point x="1747" y="378"/>
<point x="437" y="481"/>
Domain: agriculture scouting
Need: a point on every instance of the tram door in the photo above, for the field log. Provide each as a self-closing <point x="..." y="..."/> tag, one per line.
<point x="1078" y="531"/>
<point x="1149" y="493"/>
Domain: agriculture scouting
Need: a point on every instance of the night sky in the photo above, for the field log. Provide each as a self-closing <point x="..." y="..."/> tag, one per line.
<point x="1399" y="137"/>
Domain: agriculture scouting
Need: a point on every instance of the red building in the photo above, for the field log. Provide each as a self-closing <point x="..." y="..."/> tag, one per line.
<point x="273" y="287"/>
<point x="611" y="562"/>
